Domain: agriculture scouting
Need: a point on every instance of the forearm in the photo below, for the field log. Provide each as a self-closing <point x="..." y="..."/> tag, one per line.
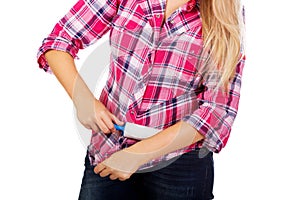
<point x="175" y="137"/>
<point x="128" y="160"/>
<point x="63" y="67"/>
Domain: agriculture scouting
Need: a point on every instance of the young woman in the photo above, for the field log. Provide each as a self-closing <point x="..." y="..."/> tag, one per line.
<point x="175" y="65"/>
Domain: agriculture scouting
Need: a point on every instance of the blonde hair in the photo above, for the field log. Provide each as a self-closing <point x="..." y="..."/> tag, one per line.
<point x="222" y="29"/>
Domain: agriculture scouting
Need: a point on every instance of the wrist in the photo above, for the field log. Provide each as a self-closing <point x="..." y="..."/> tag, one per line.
<point x="140" y="154"/>
<point x="82" y="99"/>
<point x="82" y="96"/>
<point x="151" y="148"/>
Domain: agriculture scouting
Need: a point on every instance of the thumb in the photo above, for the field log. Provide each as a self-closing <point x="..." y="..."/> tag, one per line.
<point x="115" y="119"/>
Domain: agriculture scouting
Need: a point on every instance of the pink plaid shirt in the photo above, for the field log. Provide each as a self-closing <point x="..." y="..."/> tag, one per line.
<point x="153" y="78"/>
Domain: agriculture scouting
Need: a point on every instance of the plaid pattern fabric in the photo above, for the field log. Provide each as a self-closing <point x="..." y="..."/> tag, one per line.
<point x="154" y="77"/>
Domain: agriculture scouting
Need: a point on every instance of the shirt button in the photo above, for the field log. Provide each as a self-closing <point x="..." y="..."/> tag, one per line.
<point x="132" y="112"/>
<point x="172" y="21"/>
<point x="157" y="15"/>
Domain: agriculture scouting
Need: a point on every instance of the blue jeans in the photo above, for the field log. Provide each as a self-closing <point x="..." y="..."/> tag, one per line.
<point x="189" y="177"/>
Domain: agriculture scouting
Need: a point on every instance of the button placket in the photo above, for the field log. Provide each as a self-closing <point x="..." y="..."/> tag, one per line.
<point x="155" y="23"/>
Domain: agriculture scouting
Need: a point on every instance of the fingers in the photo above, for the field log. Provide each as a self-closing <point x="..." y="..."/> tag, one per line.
<point x="104" y="171"/>
<point x="113" y="177"/>
<point x="109" y="124"/>
<point x="115" y="119"/>
<point x="99" y="168"/>
<point x="102" y="126"/>
<point x="125" y="176"/>
<point x="95" y="128"/>
<point x="105" y="120"/>
<point x="97" y="117"/>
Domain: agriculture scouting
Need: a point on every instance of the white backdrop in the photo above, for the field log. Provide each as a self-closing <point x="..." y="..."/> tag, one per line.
<point x="41" y="152"/>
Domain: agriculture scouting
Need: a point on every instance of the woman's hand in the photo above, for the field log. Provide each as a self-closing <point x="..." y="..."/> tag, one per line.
<point x="93" y="114"/>
<point x="120" y="165"/>
<point x="124" y="163"/>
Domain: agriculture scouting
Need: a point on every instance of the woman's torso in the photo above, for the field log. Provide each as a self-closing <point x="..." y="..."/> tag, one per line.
<point x="153" y="76"/>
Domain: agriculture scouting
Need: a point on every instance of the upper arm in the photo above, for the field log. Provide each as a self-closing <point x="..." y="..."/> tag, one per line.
<point x="85" y="23"/>
<point x="217" y="111"/>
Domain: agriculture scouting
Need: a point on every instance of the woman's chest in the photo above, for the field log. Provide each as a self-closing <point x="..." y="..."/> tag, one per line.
<point x="146" y="49"/>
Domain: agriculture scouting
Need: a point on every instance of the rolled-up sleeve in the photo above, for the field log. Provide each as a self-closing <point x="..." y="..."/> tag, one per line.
<point x="85" y="23"/>
<point x="217" y="111"/>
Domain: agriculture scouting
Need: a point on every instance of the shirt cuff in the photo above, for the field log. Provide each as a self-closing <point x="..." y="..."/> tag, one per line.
<point x="212" y="140"/>
<point x="55" y="43"/>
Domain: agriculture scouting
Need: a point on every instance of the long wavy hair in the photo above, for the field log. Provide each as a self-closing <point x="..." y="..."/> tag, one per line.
<point x="223" y="33"/>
